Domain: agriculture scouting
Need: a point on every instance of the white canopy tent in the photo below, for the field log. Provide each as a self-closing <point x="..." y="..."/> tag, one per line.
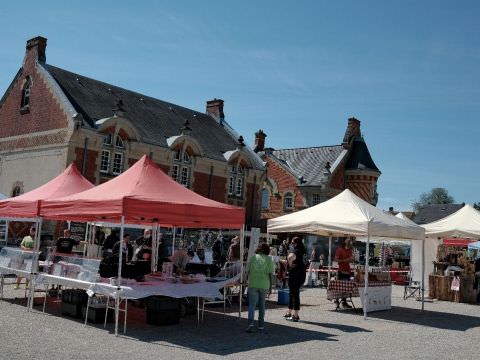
<point x="347" y="215"/>
<point x="464" y="223"/>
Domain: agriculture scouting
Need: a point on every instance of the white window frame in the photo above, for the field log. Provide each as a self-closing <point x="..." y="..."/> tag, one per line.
<point x="265" y="199"/>
<point x="231" y="185"/>
<point x="185" y="176"/>
<point x="117" y="168"/>
<point x="175" y="172"/>
<point x="178" y="155"/>
<point x="107" y="140"/>
<point x="239" y="187"/>
<point x="288" y="196"/>
<point x="119" y="142"/>
<point x="319" y="199"/>
<point x="26" y="92"/>
<point x="102" y="170"/>
<point x="186" y="158"/>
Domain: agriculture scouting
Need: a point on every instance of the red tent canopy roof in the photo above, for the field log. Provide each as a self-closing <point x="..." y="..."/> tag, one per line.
<point x="67" y="183"/>
<point x="145" y="194"/>
<point x="457" y="242"/>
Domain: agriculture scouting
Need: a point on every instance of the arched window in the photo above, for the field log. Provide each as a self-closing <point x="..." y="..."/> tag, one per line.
<point x="236" y="180"/>
<point x="265" y="199"/>
<point x="288" y="201"/>
<point x="25" y="103"/>
<point x="113" y="155"/>
<point x="182" y="167"/>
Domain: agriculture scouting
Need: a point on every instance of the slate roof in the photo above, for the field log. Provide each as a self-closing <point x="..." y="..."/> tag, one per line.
<point x="155" y="120"/>
<point x="433" y="212"/>
<point x="310" y="162"/>
<point x="360" y="158"/>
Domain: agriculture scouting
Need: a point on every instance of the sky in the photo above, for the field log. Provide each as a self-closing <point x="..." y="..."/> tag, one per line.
<point x="408" y="70"/>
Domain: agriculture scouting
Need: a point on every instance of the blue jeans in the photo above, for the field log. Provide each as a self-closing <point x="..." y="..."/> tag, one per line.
<point x="255" y="296"/>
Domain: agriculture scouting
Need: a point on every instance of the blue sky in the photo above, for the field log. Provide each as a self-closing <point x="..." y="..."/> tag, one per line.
<point x="409" y="70"/>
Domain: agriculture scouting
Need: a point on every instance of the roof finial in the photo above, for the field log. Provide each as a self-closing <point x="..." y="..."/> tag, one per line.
<point x="186" y="129"/>
<point x="241" y="142"/>
<point x="118" y="110"/>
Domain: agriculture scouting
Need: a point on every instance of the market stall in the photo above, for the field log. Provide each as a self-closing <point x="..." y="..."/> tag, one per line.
<point x="450" y="269"/>
<point x="144" y="194"/>
<point x="347" y="215"/>
<point x="26" y="208"/>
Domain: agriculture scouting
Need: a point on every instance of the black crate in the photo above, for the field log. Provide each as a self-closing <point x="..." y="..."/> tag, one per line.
<point x="162" y="310"/>
<point x="73" y="310"/>
<point x="97" y="315"/>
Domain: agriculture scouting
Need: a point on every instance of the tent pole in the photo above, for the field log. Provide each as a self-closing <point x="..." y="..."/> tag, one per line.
<point x="173" y="239"/>
<point x="365" y="295"/>
<point x="242" y="247"/>
<point x="87" y="239"/>
<point x="423" y="274"/>
<point x="6" y="232"/>
<point x="34" y="270"/>
<point x="329" y="259"/>
<point x="119" y="277"/>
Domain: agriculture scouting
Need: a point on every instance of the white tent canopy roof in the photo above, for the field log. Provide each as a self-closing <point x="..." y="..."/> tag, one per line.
<point x="465" y="223"/>
<point x="391" y="241"/>
<point x="346" y="215"/>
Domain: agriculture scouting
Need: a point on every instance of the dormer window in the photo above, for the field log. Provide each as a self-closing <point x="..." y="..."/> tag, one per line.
<point x="288" y="201"/>
<point x="113" y="155"/>
<point x="236" y="181"/>
<point x="107" y="140"/>
<point x="25" y="103"/>
<point x="119" y="142"/>
<point x="182" y="167"/>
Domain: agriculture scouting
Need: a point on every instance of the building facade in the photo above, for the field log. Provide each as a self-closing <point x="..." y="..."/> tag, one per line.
<point x="50" y="117"/>
<point x="302" y="177"/>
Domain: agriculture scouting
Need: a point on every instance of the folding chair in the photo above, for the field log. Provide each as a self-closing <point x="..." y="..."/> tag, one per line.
<point x="412" y="288"/>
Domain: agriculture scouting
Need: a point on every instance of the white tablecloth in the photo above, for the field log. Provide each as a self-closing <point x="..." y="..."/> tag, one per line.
<point x="140" y="290"/>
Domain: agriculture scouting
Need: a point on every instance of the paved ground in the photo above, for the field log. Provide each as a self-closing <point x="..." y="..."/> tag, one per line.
<point x="443" y="331"/>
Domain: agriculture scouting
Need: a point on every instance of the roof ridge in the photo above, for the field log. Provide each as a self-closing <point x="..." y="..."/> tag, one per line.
<point x="308" y="147"/>
<point x="125" y="89"/>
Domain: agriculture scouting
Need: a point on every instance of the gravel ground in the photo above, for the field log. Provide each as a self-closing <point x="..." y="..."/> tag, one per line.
<point x="444" y="331"/>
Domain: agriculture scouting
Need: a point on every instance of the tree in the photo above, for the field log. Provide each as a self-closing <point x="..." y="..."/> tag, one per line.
<point x="476" y="205"/>
<point x="434" y="196"/>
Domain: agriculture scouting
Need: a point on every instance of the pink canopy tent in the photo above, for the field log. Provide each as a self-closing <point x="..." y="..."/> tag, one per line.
<point x="144" y="194"/>
<point x="27" y="205"/>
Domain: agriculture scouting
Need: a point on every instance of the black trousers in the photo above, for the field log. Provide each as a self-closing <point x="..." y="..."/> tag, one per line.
<point x="295" y="282"/>
<point x="343" y="276"/>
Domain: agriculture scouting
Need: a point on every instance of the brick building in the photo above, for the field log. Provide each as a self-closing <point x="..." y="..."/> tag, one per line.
<point x="50" y="117"/>
<point x="302" y="177"/>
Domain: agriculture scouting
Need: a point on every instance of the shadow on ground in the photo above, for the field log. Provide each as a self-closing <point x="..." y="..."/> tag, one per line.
<point x="435" y="319"/>
<point x="218" y="334"/>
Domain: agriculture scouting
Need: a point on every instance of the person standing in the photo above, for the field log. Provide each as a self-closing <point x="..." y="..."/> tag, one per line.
<point x="297" y="261"/>
<point x="26" y="245"/>
<point x="127" y="249"/>
<point x="66" y="243"/>
<point x="259" y="272"/>
<point x="234" y="250"/>
<point x="343" y="256"/>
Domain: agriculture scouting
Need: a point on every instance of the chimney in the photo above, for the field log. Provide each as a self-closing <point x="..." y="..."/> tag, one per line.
<point x="35" y="49"/>
<point x="390" y="209"/>
<point x="215" y="109"/>
<point x="352" y="132"/>
<point x="259" y="141"/>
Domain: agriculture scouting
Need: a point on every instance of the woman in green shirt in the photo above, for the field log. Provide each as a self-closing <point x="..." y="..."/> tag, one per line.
<point x="259" y="272"/>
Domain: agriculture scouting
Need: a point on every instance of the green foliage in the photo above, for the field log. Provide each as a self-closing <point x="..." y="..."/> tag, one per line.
<point x="434" y="196"/>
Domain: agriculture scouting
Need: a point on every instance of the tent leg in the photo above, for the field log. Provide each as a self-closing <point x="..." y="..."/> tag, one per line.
<point x="173" y="239"/>
<point x="423" y="274"/>
<point x="119" y="276"/>
<point x="365" y="295"/>
<point x="329" y="259"/>
<point x="242" y="247"/>
<point x="34" y="270"/>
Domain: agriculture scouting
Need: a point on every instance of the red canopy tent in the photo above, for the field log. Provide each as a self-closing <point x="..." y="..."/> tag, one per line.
<point x="457" y="242"/>
<point x="27" y="205"/>
<point x="144" y="194"/>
